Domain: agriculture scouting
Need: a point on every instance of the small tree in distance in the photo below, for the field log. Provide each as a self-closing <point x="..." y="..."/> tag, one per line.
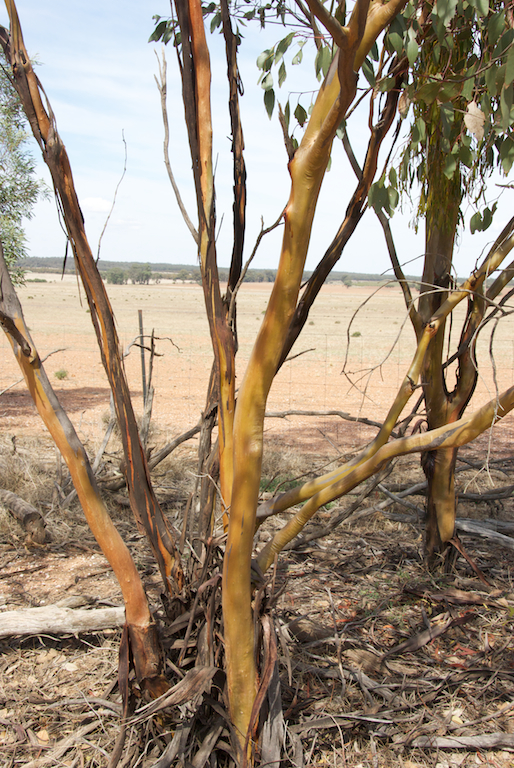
<point x="116" y="276"/>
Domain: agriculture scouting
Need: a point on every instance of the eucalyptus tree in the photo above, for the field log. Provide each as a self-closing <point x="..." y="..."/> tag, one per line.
<point x="19" y="187"/>
<point x="345" y="44"/>
<point x="459" y="93"/>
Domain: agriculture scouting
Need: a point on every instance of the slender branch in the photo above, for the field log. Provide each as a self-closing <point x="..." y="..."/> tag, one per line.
<point x="162" y="87"/>
<point x="14" y="384"/>
<point x="398" y="272"/>
<point x="331" y="24"/>
<point x="114" y="198"/>
<point x="449" y="436"/>
<point x="264" y="231"/>
<point x="341" y="414"/>
<point x="239" y="169"/>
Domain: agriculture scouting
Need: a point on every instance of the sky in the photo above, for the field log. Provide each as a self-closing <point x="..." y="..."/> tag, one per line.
<point x="98" y="69"/>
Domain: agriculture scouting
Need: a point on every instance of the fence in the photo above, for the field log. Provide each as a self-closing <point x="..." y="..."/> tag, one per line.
<point x="352" y="356"/>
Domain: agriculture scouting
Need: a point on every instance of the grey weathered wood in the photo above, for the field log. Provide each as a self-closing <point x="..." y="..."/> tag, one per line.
<point x="57" y="619"/>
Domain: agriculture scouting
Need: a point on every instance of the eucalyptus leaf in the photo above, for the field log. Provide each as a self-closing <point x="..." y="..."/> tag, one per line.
<point x="300" y="114"/>
<point x="509" y="68"/>
<point x="482" y="6"/>
<point x="507" y="154"/>
<point x="369" y="74"/>
<point x="269" y="101"/>
<point x="450" y="165"/>
<point x="282" y="74"/>
<point x="445" y="10"/>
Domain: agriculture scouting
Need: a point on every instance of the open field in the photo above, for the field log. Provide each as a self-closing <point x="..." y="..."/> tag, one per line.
<point x="376" y="360"/>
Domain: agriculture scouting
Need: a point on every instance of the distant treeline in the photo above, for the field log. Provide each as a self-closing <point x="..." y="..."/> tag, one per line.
<point x="124" y="271"/>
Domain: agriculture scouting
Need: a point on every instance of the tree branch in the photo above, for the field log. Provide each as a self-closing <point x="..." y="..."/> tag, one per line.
<point x="162" y="87"/>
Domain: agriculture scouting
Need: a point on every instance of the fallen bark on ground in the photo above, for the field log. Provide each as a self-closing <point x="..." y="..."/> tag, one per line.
<point x="57" y="619"/>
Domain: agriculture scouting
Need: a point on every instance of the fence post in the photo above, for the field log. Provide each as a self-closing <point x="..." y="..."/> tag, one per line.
<point x="142" y="348"/>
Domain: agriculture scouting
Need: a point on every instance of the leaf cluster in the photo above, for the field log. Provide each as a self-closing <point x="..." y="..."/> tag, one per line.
<point x="19" y="187"/>
<point x="461" y="88"/>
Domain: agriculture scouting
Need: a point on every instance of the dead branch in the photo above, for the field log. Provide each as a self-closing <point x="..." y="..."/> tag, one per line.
<point x="28" y="516"/>
<point x="342" y="415"/>
<point x="161" y="85"/>
<point x="20" y="381"/>
<point x="476" y="528"/>
<point x="484" y="741"/>
<point x="113" y="199"/>
<point x="57" y="620"/>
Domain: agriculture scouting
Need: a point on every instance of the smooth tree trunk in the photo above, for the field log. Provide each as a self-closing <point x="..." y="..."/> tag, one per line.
<point x="142" y="631"/>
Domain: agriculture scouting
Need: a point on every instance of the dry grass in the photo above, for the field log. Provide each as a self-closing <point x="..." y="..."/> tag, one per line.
<point x="339" y="606"/>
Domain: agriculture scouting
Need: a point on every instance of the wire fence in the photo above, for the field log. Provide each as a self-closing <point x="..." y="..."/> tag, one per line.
<point x="352" y="356"/>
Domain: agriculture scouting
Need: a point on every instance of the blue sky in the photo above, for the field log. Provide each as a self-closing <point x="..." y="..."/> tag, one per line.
<point x="98" y="72"/>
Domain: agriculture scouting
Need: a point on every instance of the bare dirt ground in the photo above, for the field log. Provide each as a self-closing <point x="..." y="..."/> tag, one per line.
<point x="344" y="604"/>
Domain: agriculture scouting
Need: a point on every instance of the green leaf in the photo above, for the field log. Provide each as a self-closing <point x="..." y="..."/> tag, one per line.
<point x="393" y="198"/>
<point x="393" y="178"/>
<point x="159" y="31"/>
<point x="475" y="223"/>
<point x="467" y="88"/>
<point x="287" y="114"/>
<point x="282" y="74"/>
<point x="420" y="125"/>
<point x="369" y="74"/>
<point x="509" y="68"/>
<point x="449" y="90"/>
<point x="396" y="42"/>
<point x="267" y="82"/>
<point x="283" y="45"/>
<point x="428" y="92"/>
<point x="297" y="58"/>
<point x="269" y="101"/>
<point x="412" y="46"/>
<point x="215" y="21"/>
<point x="445" y="10"/>
<point x="300" y="114"/>
<point x="374" y="52"/>
<point x="482" y="6"/>
<point x="506" y="106"/>
<point x="450" y="164"/>
<point x="322" y="61"/>
<point x="507" y="154"/>
<point x="265" y="60"/>
<point x="386" y="84"/>
<point x="466" y="156"/>
<point x="490" y="80"/>
<point x="495" y="27"/>
<point x="487" y="219"/>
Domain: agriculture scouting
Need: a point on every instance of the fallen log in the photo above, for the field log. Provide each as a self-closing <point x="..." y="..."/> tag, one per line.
<point x="28" y="516"/>
<point x="483" y="741"/>
<point x="58" y="620"/>
<point x="477" y="528"/>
